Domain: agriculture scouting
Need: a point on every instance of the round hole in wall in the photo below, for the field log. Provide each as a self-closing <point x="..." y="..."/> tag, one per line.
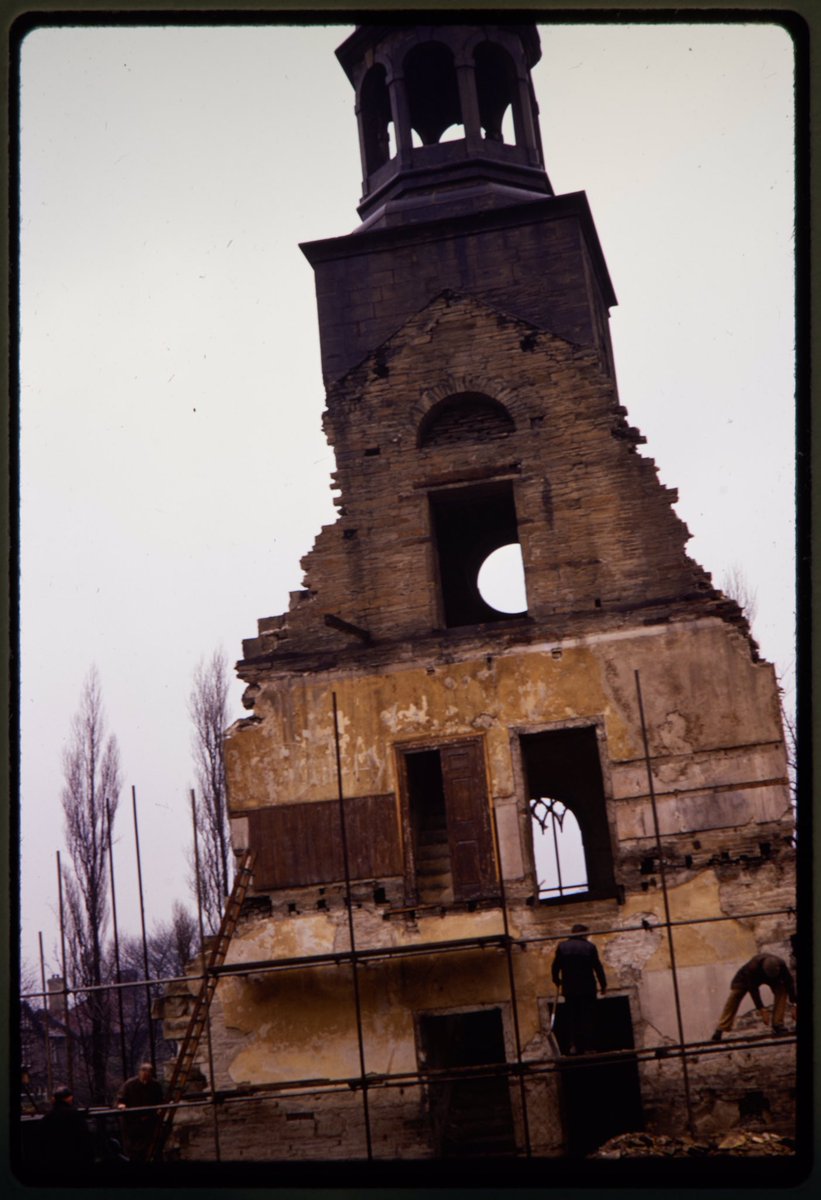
<point x="501" y="580"/>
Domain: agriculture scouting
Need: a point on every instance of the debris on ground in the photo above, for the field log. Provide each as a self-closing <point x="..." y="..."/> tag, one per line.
<point x="738" y="1143"/>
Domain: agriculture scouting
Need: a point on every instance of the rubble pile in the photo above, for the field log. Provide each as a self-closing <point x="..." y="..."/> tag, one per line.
<point x="739" y="1143"/>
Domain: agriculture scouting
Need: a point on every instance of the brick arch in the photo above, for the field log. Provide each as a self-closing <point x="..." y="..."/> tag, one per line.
<point x="452" y="385"/>
<point x="464" y="417"/>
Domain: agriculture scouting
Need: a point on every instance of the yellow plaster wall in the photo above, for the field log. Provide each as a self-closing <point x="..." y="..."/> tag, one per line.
<point x="700" y="693"/>
<point x="697" y="944"/>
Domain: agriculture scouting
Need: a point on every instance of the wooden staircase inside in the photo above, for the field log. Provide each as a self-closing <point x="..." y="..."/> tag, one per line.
<point x="434" y="880"/>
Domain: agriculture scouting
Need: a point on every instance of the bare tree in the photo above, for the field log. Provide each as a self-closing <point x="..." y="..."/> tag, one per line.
<point x="170" y="946"/>
<point x="787" y="697"/>
<point x="734" y="583"/>
<point x="208" y="707"/>
<point x="91" y="781"/>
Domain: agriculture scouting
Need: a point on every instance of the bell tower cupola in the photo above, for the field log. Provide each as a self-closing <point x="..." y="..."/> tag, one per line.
<point x="447" y="117"/>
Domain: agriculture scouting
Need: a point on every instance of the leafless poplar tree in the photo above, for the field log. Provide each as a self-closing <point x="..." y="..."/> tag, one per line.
<point x="208" y="706"/>
<point x="91" y="780"/>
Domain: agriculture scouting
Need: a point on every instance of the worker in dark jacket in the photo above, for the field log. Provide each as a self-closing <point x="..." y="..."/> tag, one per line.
<point x="576" y="968"/>
<point x="139" y="1092"/>
<point x="65" y="1137"/>
<point x="762" y="968"/>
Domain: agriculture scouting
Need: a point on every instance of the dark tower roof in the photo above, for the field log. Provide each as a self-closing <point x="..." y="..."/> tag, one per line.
<point x="419" y="85"/>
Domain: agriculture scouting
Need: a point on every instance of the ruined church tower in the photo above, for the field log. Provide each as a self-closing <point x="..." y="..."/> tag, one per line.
<point x="435" y="788"/>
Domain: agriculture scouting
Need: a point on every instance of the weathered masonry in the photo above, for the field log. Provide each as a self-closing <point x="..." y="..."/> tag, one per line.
<point x="436" y="789"/>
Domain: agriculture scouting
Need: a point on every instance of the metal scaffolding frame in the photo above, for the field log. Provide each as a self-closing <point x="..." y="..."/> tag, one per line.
<point x="518" y="1071"/>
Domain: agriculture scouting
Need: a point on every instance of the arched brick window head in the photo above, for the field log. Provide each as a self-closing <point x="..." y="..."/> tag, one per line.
<point x="465" y="417"/>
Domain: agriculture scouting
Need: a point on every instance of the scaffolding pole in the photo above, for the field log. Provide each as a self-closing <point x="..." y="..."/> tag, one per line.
<point x="349" y="903"/>
<point x="116" y="941"/>
<point x="69" y="1047"/>
<point x="198" y="880"/>
<point x="47" y="1015"/>
<point x="662" y="873"/>
<point x="142" y="927"/>
<point x="514" y="1002"/>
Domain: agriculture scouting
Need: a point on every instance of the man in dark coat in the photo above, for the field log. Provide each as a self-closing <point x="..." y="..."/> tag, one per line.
<point x="139" y="1092"/>
<point x="760" y="969"/>
<point x="576" y="967"/>
<point x="65" y="1138"/>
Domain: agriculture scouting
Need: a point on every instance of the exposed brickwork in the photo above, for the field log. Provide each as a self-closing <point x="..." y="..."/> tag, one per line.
<point x="597" y="529"/>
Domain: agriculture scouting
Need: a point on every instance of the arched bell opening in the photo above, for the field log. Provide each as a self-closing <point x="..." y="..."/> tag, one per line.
<point x="376" y="119"/>
<point x="498" y="94"/>
<point x="432" y="92"/>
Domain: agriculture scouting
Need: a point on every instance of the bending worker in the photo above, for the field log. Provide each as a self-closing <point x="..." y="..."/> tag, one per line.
<point x="762" y="968"/>
<point x="575" y="970"/>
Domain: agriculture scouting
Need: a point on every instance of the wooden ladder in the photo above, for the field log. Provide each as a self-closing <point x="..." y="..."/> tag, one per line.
<point x="202" y="1003"/>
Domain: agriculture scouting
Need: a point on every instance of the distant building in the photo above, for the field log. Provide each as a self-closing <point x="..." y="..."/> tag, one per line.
<point x="609" y="754"/>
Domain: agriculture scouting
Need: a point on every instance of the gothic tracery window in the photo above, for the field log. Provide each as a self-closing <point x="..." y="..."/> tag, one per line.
<point x="558" y="849"/>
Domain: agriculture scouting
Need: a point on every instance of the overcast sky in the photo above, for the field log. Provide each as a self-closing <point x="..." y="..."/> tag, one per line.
<point x="173" y="468"/>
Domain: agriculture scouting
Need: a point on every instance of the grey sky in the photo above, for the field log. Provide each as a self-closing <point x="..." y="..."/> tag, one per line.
<point x="172" y="461"/>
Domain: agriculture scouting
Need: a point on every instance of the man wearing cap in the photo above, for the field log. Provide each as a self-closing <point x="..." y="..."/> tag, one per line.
<point x="65" y="1136"/>
<point x="576" y="968"/>
<point x="761" y="968"/>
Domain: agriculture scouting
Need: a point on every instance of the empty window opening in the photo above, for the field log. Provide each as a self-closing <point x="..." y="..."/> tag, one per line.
<point x="566" y="796"/>
<point x="448" y="817"/>
<point x="501" y="580"/>
<point x="558" y="850"/>
<point x="377" y="125"/>
<point x="469" y="1117"/>
<point x="433" y="93"/>
<point x="590" y="1114"/>
<point x="753" y="1104"/>
<point x="468" y="525"/>
<point x="465" y="417"/>
<point x="497" y="89"/>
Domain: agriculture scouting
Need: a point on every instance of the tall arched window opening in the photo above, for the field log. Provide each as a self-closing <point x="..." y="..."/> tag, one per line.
<point x="497" y="90"/>
<point x="433" y="93"/>
<point x="377" y="125"/>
